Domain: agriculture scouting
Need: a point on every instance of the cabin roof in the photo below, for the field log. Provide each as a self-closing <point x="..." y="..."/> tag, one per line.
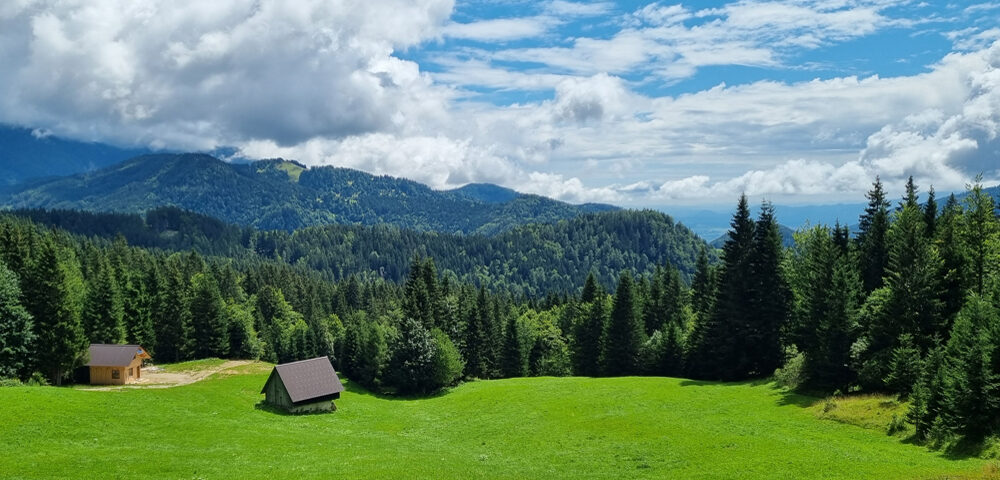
<point x="308" y="379"/>
<point x="102" y="355"/>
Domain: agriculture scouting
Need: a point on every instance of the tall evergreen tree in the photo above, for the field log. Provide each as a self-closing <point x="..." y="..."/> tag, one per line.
<point x="478" y="339"/>
<point x="873" y="252"/>
<point x="513" y="351"/>
<point x="625" y="332"/>
<point x="953" y="272"/>
<point x="591" y="289"/>
<point x="972" y="394"/>
<point x="769" y="298"/>
<point x="209" y="331"/>
<point x="589" y="337"/>
<point x="703" y="288"/>
<point x="169" y="308"/>
<point x="931" y="213"/>
<point x="102" y="316"/>
<point x="981" y="238"/>
<point x="54" y="296"/>
<point x="16" y="335"/>
<point x="718" y="351"/>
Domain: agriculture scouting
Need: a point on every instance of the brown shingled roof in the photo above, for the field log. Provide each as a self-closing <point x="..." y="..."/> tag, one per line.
<point x="102" y="355"/>
<point x="308" y="379"/>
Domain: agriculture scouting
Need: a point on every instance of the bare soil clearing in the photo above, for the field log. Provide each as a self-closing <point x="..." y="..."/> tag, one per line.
<point x="154" y="377"/>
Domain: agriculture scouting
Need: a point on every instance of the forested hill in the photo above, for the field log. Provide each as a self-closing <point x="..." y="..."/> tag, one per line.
<point x="284" y="195"/>
<point x="531" y="259"/>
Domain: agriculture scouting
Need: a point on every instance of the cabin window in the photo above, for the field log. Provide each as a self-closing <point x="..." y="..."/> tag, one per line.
<point x="116" y="374"/>
<point x="130" y="371"/>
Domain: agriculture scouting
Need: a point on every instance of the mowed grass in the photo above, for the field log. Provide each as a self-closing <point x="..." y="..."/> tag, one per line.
<point x="519" y="428"/>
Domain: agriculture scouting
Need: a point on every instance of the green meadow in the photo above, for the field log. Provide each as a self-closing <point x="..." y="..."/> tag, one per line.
<point x="517" y="428"/>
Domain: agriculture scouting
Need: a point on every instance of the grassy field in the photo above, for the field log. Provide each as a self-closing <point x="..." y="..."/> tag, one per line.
<point x="520" y="428"/>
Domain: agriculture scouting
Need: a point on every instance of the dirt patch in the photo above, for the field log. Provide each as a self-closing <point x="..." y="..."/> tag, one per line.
<point x="154" y="377"/>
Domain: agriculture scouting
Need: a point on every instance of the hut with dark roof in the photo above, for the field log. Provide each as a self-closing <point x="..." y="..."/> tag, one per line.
<point x="115" y="364"/>
<point x="303" y="387"/>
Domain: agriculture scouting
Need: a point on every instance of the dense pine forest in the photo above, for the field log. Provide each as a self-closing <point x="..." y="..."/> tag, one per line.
<point x="531" y="260"/>
<point x="907" y="305"/>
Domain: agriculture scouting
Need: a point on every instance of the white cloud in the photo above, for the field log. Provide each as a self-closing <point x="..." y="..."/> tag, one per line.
<point x="564" y="8"/>
<point x="499" y="29"/>
<point x="190" y="74"/>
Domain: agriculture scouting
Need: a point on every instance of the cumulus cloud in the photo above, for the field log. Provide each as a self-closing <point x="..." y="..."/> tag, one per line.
<point x="189" y="73"/>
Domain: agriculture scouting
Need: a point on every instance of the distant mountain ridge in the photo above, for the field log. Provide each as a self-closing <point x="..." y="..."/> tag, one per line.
<point x="286" y="195"/>
<point x="27" y="154"/>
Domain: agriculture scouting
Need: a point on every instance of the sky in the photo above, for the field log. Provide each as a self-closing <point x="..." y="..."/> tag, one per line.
<point x="632" y="103"/>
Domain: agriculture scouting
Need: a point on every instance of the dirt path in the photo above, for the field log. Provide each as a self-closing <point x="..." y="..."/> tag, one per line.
<point x="154" y="377"/>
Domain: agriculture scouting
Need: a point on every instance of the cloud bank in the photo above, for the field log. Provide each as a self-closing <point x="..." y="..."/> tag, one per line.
<point x="587" y="116"/>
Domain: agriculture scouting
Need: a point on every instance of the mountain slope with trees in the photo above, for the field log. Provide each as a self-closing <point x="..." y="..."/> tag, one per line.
<point x="284" y="195"/>
<point x="532" y="260"/>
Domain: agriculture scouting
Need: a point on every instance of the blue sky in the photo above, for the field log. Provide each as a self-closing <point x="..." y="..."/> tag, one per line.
<point x="651" y="104"/>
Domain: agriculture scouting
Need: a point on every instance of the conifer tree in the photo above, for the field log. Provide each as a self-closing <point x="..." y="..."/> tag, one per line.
<point x="513" y="351"/>
<point x="718" y="352"/>
<point x="591" y="289"/>
<point x="209" y="331"/>
<point x="16" y="335"/>
<point x="102" y="316"/>
<point x="769" y="298"/>
<point x="702" y="286"/>
<point x="981" y="238"/>
<point x="953" y="272"/>
<point x="478" y="341"/>
<point x="971" y="394"/>
<point x="54" y="296"/>
<point x="931" y="213"/>
<point x="873" y="253"/>
<point x="169" y="308"/>
<point x="625" y="335"/>
<point x="589" y="335"/>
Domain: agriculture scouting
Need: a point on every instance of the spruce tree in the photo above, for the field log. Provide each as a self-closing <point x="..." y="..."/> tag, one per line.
<point x="16" y="335"/>
<point x="169" y="308"/>
<point x="53" y="295"/>
<point x="931" y="213"/>
<point x="769" y="298"/>
<point x="102" y="316"/>
<point x="625" y="334"/>
<point x="971" y="395"/>
<point x="591" y="289"/>
<point x="953" y="272"/>
<point x="719" y="339"/>
<point x="478" y="339"/>
<point x="209" y="331"/>
<point x="873" y="252"/>
<point x="589" y="337"/>
<point x="702" y="286"/>
<point x="981" y="238"/>
<point x="513" y="351"/>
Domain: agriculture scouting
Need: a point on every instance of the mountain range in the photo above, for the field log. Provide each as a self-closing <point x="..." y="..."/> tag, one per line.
<point x="286" y="195"/>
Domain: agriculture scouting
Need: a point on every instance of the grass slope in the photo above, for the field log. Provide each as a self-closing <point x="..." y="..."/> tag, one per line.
<point x="520" y="428"/>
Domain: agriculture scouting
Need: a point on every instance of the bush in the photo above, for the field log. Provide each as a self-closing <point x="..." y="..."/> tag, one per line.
<point x="10" y="382"/>
<point x="793" y="374"/>
<point x="447" y="363"/>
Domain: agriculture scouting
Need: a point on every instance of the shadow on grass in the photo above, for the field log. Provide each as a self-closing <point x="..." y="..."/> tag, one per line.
<point x="357" y="389"/>
<point x="266" y="407"/>
<point x="787" y="397"/>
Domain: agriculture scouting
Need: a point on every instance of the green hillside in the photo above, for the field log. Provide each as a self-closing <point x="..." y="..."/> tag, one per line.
<point x="284" y="195"/>
<point x="516" y="428"/>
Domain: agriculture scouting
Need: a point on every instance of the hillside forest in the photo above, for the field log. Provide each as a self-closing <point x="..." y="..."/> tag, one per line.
<point x="909" y="304"/>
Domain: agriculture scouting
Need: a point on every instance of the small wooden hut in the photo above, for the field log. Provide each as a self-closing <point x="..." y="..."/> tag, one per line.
<point x="303" y="387"/>
<point x="115" y="364"/>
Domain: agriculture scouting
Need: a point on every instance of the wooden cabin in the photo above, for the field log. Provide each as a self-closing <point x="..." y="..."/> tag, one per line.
<point x="303" y="387"/>
<point x="116" y="364"/>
